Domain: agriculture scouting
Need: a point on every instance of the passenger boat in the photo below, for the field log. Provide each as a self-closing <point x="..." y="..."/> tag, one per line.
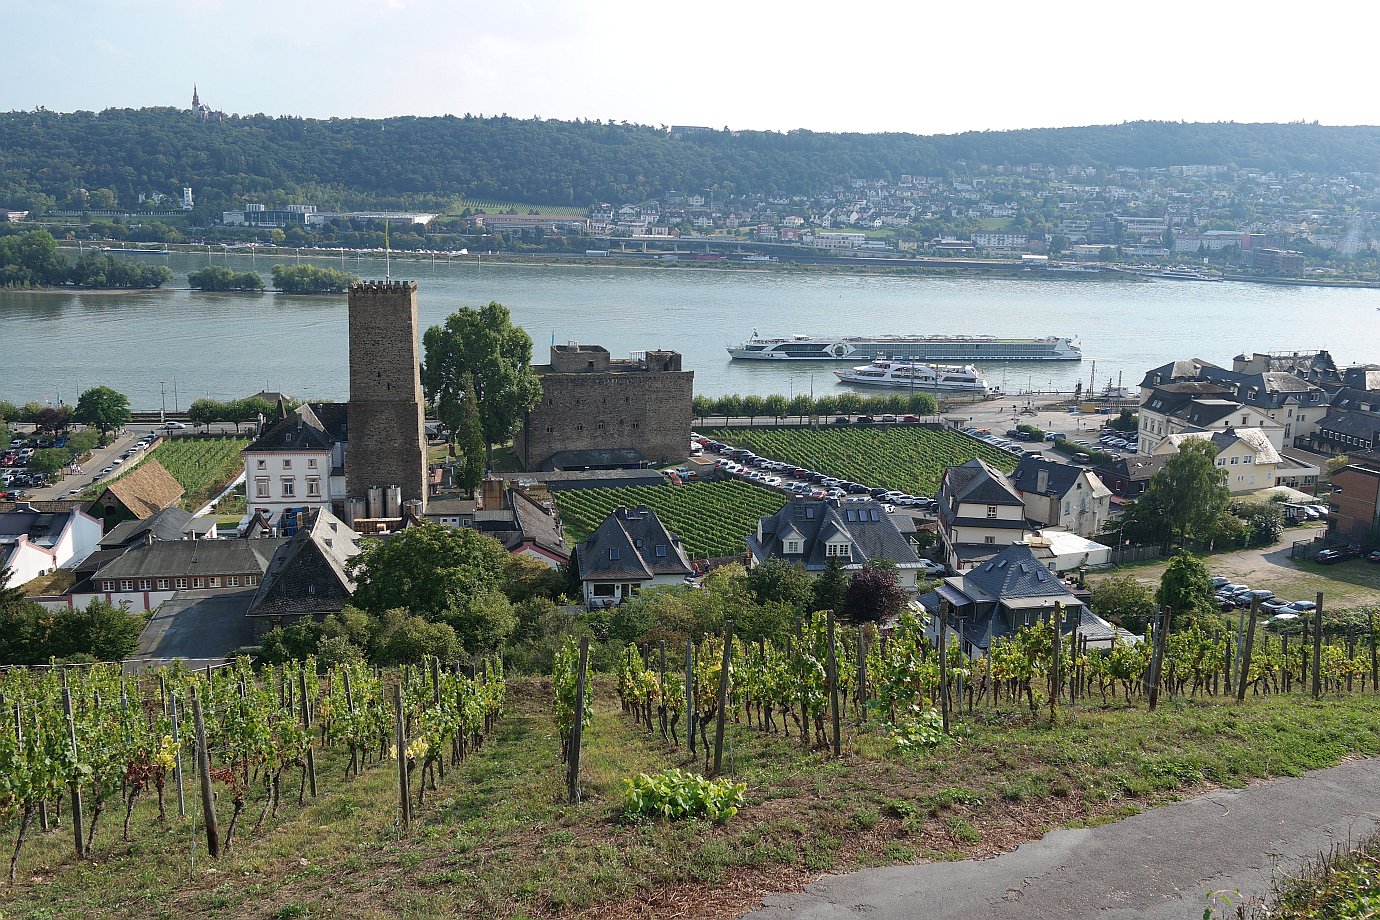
<point x="914" y="376"/>
<point x="962" y="348"/>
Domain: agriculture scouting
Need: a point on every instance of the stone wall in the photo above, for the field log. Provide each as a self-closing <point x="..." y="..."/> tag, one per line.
<point x="625" y="407"/>
<point x="387" y="438"/>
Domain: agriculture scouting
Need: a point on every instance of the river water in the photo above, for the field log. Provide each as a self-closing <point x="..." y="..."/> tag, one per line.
<point x="53" y="345"/>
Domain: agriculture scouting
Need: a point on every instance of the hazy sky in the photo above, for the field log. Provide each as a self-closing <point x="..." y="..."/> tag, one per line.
<point x="925" y="66"/>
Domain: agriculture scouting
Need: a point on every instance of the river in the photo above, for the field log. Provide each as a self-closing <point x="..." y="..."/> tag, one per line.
<point x="189" y="344"/>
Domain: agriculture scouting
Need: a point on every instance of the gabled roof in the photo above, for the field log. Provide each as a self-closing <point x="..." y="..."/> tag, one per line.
<point x="1060" y="477"/>
<point x="1138" y="467"/>
<point x="1175" y="371"/>
<point x="537" y="524"/>
<point x="302" y="429"/>
<point x="308" y="574"/>
<point x="1361" y="425"/>
<point x="631" y="544"/>
<point x="1254" y="438"/>
<point x="1359" y="400"/>
<point x="1013" y="573"/>
<point x="978" y="483"/>
<point x="144" y="490"/>
<point x="168" y="524"/>
<point x="866" y="528"/>
<point x="192" y="557"/>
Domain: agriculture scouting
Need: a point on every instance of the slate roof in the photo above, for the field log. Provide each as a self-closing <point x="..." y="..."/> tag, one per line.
<point x="1060" y="477"/>
<point x="1013" y="573"/>
<point x="625" y="548"/>
<point x="869" y="531"/>
<point x="976" y="482"/>
<point x="144" y="490"/>
<point x="536" y="524"/>
<point x="168" y="524"/>
<point x="193" y="557"/>
<point x="1171" y="397"/>
<point x="308" y="575"/>
<point x="43" y="528"/>
<point x="302" y="429"/>
<point x="1358" y="400"/>
<point x="1362" y="377"/>
<point x="1175" y="371"/>
<point x="1361" y="425"/>
<point x="1138" y="467"/>
<point x="594" y="458"/>
<point x="53" y="506"/>
<point x="1205" y="412"/>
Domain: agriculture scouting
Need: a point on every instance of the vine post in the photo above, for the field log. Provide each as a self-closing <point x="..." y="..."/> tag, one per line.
<point x="1374" y="662"/>
<point x="944" y="663"/>
<point x="174" y="716"/>
<point x="73" y="785"/>
<point x="861" y="694"/>
<point x="723" y="697"/>
<point x="577" y="729"/>
<point x="833" y="682"/>
<point x="203" y="767"/>
<point x="400" y="738"/>
<point x="1317" y="648"/>
<point x="1056" y="686"/>
<point x="306" y="724"/>
<point x="1243" y="675"/>
<point x="1157" y="655"/>
<point x="690" y="692"/>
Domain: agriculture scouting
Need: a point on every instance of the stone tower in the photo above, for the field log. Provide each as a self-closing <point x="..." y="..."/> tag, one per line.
<point x="386" y="444"/>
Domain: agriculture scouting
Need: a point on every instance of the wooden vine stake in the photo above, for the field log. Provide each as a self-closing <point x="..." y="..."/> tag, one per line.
<point x="203" y="769"/>
<point x="833" y="676"/>
<point x="1243" y="675"/>
<point x="690" y="692"/>
<point x="400" y="739"/>
<point x="944" y="664"/>
<point x="723" y="698"/>
<point x="577" y="729"/>
<point x="74" y="787"/>
<point x="306" y="724"/>
<point x="1317" y="648"/>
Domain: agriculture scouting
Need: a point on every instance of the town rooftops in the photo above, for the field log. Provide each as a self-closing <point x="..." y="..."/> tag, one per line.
<point x="41" y="528"/>
<point x="168" y="524"/>
<point x="1058" y="478"/>
<point x="192" y="557"/>
<point x="309" y="574"/>
<point x="863" y="529"/>
<point x="976" y="482"/>
<point x="1254" y="438"/>
<point x="1013" y="575"/>
<point x="303" y="429"/>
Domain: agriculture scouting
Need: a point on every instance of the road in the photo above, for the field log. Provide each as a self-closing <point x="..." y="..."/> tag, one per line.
<point x="1163" y="864"/>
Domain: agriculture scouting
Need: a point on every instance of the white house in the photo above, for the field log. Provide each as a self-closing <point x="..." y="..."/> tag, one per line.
<point x="38" y="537"/>
<point x="298" y="462"/>
<point x="1062" y="495"/>
<point x="979" y="514"/>
<point x="630" y="551"/>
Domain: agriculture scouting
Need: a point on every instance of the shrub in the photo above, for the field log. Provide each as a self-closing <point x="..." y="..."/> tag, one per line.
<point x="673" y="794"/>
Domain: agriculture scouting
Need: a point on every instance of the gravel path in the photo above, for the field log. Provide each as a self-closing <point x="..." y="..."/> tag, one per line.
<point x="1162" y="864"/>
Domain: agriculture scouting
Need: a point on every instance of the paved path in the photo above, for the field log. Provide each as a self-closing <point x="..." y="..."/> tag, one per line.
<point x="1159" y="865"/>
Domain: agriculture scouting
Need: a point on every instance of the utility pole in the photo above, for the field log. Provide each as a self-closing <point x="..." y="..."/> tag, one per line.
<point x="163" y="393"/>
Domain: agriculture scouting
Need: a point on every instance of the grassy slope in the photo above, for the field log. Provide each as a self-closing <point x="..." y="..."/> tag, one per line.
<point x="1345" y="884"/>
<point x="497" y="840"/>
<point x="201" y="480"/>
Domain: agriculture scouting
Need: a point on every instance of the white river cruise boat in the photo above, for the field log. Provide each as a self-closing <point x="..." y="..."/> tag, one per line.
<point x="962" y="348"/>
<point x="906" y="375"/>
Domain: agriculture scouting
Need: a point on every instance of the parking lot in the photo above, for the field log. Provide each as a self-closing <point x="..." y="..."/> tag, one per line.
<point x="102" y="463"/>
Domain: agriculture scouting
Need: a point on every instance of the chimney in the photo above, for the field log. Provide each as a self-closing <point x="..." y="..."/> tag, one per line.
<point x="1042" y="481"/>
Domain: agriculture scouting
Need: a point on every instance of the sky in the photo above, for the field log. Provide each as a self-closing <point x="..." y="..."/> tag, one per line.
<point x="920" y="66"/>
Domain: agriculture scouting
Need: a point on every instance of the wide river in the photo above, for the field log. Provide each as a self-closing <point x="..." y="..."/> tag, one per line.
<point x="53" y="345"/>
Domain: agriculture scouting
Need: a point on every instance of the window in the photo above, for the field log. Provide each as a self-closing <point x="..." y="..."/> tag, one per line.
<point x="162" y="584"/>
<point x="233" y="581"/>
<point x="126" y="584"/>
<point x="661" y="550"/>
<point x="108" y="586"/>
<point x="289" y="487"/>
<point x="837" y="550"/>
<point x="989" y="539"/>
<point x="145" y="584"/>
<point x="991" y="511"/>
<point x="792" y="546"/>
<point x="250" y="581"/>
<point x="179" y="583"/>
<point x="262" y="464"/>
<point x="1235" y="460"/>
<point x="261" y="488"/>
<point x="311" y="463"/>
<point x="1245" y="459"/>
<point x="613" y="554"/>
<point x="603" y="590"/>
<point x="314" y="486"/>
<point x="287" y="463"/>
<point x="198" y="582"/>
<point x="213" y="581"/>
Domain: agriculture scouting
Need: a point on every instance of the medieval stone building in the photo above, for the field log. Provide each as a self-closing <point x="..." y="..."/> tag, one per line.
<point x="600" y="413"/>
<point x="385" y="457"/>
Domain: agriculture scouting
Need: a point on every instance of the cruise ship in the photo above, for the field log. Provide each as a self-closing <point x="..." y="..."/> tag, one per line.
<point x="903" y="374"/>
<point x="960" y="348"/>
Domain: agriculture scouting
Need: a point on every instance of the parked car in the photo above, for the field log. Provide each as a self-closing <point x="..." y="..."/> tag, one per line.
<point x="1373" y="556"/>
<point x="1329" y="556"/>
<point x="1301" y="607"/>
<point x="932" y="568"/>
<point x="840" y="420"/>
<point x="173" y="426"/>
<point x="865" y="420"/>
<point x="1217" y="581"/>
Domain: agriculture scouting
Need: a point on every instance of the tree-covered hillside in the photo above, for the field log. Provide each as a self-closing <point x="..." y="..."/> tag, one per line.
<point x="45" y="156"/>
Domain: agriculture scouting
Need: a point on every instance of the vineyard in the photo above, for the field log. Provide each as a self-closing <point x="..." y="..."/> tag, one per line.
<point x="202" y="466"/>
<point x="218" y="746"/>
<point x="910" y="459"/>
<point x="711" y="518"/>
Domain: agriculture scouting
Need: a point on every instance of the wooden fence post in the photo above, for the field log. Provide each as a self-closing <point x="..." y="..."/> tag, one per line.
<point x="577" y="729"/>
<point x="1157" y="655"/>
<point x="1374" y="663"/>
<point x="861" y="694"/>
<point x="74" y="787"/>
<point x="203" y="768"/>
<point x="833" y="676"/>
<point x="723" y="697"/>
<point x="1056" y="686"/>
<point x="306" y="724"/>
<point x="175" y="717"/>
<point x="944" y="664"/>
<point x="1317" y="648"/>
<point x="400" y="739"/>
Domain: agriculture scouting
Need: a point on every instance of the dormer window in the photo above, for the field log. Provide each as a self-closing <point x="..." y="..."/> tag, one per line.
<point x="836" y="550"/>
<point x="792" y="547"/>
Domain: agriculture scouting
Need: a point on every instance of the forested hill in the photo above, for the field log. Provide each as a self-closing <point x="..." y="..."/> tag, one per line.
<point x="427" y="161"/>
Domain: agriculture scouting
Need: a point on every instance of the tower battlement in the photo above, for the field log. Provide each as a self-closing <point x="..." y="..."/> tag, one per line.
<point x="382" y="286"/>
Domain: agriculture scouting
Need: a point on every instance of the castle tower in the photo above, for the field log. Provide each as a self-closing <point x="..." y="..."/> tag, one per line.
<point x="386" y="444"/>
<point x="196" y="99"/>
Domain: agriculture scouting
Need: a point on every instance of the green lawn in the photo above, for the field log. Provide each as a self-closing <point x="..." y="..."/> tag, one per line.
<point x="497" y="839"/>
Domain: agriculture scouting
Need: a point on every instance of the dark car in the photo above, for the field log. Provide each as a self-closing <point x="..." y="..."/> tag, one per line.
<point x="1373" y="556"/>
<point x="865" y="420"/>
<point x="877" y="493"/>
<point x="840" y="420"/>
<point x="1329" y="556"/>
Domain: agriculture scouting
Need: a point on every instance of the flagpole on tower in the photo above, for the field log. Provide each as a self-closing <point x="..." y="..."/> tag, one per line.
<point x="387" y="253"/>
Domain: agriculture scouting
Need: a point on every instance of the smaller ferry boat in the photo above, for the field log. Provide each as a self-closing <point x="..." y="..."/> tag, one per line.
<point x="915" y="376"/>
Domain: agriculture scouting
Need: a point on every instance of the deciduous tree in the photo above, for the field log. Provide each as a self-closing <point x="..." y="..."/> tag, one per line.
<point x="103" y="409"/>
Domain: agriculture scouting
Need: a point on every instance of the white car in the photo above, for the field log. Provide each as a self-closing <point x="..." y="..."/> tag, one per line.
<point x="173" y="426"/>
<point x="932" y="568"/>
